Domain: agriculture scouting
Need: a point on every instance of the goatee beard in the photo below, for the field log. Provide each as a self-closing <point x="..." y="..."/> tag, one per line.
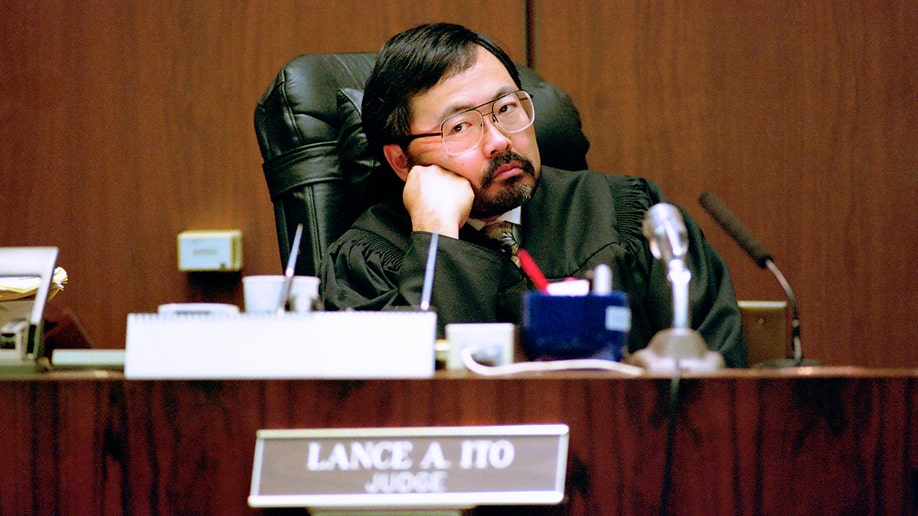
<point x="514" y="193"/>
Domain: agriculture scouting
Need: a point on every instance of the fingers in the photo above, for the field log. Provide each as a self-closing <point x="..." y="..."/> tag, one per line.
<point x="438" y="200"/>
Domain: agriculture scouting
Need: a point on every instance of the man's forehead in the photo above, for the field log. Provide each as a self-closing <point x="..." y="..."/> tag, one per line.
<point x="484" y="81"/>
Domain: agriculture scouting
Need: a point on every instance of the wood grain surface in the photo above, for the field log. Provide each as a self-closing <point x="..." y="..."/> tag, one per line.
<point x="836" y="442"/>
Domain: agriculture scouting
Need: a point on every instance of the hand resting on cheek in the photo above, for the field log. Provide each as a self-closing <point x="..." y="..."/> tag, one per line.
<point x="438" y="201"/>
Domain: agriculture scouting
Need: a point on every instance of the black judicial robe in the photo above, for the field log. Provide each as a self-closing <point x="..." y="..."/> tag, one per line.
<point x="574" y="221"/>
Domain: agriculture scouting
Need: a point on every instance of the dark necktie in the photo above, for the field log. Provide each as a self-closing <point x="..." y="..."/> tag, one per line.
<point x="506" y="234"/>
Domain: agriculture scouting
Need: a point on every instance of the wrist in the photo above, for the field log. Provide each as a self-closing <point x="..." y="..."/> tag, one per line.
<point x="435" y="225"/>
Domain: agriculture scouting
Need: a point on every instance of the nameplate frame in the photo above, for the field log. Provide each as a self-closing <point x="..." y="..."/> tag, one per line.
<point x="416" y="467"/>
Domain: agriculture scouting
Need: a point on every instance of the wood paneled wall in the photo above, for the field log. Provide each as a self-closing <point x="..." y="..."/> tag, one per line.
<point x="801" y="116"/>
<point x="125" y="123"/>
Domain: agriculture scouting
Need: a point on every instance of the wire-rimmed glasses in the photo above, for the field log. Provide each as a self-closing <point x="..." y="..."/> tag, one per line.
<point x="462" y="132"/>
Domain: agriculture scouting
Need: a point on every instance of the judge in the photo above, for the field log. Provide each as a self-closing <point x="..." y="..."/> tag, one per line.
<point x="445" y="110"/>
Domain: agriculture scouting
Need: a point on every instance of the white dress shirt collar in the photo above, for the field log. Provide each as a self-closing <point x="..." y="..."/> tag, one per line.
<point x="514" y="216"/>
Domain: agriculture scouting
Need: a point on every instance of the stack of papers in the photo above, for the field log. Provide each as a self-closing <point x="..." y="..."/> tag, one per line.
<point x="22" y="287"/>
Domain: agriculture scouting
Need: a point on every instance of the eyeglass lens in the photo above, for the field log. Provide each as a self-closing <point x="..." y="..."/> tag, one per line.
<point x="511" y="113"/>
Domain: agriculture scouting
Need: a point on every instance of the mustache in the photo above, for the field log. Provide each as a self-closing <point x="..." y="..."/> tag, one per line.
<point x="504" y="159"/>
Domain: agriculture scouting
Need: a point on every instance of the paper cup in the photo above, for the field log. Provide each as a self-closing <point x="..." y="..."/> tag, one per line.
<point x="262" y="293"/>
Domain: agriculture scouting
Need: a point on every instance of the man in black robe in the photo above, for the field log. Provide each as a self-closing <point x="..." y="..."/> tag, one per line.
<point x="444" y="107"/>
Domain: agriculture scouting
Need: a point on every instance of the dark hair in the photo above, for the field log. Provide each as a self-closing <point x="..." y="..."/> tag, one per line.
<point x="410" y="64"/>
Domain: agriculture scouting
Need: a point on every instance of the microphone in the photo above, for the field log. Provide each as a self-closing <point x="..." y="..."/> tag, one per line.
<point x="763" y="259"/>
<point x="665" y="230"/>
<point x="679" y="347"/>
<point x="735" y="229"/>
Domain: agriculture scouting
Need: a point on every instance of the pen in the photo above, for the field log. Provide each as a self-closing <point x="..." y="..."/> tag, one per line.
<point x="532" y="270"/>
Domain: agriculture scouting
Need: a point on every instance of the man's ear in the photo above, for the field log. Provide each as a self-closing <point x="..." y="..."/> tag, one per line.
<point x="397" y="158"/>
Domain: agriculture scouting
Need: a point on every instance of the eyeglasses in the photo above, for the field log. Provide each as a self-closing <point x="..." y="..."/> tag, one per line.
<point x="462" y="132"/>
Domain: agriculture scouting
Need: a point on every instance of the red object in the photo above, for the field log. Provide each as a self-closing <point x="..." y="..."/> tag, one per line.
<point x="532" y="270"/>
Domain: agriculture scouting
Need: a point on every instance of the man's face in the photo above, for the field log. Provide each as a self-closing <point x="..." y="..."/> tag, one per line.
<point x="503" y="169"/>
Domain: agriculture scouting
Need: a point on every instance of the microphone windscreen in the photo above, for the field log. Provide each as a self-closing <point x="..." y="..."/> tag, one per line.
<point x="735" y="228"/>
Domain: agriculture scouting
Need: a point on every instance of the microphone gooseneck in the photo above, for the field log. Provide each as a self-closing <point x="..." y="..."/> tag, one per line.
<point x="760" y="256"/>
<point x="795" y="318"/>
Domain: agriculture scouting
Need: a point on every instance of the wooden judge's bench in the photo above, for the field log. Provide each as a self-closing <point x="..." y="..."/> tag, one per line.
<point x="804" y="441"/>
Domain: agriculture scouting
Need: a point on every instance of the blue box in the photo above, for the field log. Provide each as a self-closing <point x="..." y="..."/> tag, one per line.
<point x="568" y="327"/>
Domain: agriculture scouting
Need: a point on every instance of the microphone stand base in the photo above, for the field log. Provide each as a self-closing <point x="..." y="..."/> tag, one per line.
<point x="677" y="347"/>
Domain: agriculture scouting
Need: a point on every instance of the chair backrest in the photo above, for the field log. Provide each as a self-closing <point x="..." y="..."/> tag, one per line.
<point x="318" y="167"/>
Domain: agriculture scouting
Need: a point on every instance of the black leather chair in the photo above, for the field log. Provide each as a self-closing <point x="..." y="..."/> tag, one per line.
<point x="316" y="161"/>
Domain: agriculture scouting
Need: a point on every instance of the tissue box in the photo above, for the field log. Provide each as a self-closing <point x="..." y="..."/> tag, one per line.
<point x="567" y="327"/>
